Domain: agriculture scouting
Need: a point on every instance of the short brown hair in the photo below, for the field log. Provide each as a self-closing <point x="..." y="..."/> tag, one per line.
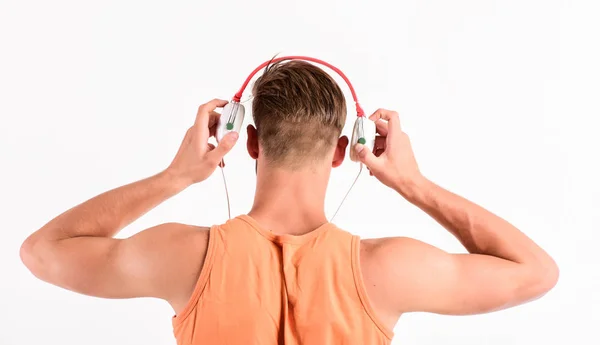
<point x="299" y="112"/>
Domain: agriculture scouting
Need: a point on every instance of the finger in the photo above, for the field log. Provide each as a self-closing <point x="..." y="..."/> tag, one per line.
<point x="393" y="126"/>
<point x="203" y="115"/>
<point x="381" y="127"/>
<point x="366" y="157"/>
<point x="383" y="114"/>
<point x="212" y="147"/>
<point x="212" y="131"/>
<point x="213" y="118"/>
<point x="392" y="118"/>
<point x="207" y="108"/>
<point x="223" y="147"/>
<point x="213" y="122"/>
<point x="201" y="124"/>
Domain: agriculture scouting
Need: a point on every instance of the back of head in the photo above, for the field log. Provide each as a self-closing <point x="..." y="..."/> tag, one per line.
<point x="299" y="112"/>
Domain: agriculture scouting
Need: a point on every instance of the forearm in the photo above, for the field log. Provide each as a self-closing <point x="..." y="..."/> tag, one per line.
<point x="479" y="230"/>
<point x="106" y="214"/>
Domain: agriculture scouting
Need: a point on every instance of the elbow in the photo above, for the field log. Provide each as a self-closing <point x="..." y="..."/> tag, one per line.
<point x="34" y="255"/>
<point x="542" y="278"/>
<point x="549" y="275"/>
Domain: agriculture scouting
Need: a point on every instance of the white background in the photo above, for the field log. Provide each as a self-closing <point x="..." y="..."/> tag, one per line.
<point x="500" y="98"/>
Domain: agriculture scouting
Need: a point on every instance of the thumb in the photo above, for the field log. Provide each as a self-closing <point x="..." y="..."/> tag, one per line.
<point x="224" y="146"/>
<point x="365" y="156"/>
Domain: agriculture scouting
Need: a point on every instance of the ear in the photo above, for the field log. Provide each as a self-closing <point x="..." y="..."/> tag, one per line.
<point x="252" y="143"/>
<point x="340" y="151"/>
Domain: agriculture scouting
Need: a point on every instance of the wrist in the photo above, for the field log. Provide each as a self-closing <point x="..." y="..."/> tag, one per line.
<point x="412" y="188"/>
<point x="175" y="182"/>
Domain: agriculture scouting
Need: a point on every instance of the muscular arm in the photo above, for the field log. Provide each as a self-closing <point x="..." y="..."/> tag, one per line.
<point x="77" y="250"/>
<point x="505" y="267"/>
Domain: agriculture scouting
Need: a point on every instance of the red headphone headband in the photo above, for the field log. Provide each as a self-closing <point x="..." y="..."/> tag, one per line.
<point x="359" y="111"/>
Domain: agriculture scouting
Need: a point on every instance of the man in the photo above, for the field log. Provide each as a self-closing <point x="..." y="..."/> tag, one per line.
<point x="282" y="274"/>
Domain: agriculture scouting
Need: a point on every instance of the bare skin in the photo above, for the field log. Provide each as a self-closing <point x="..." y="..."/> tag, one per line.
<point x="77" y="249"/>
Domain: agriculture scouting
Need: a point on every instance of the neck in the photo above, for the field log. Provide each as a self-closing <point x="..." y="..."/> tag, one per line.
<point x="290" y="202"/>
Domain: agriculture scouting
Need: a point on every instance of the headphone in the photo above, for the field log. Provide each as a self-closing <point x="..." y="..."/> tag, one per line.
<point x="232" y="117"/>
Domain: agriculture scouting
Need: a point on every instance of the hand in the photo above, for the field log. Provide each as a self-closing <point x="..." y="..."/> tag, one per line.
<point x="392" y="161"/>
<point x="196" y="159"/>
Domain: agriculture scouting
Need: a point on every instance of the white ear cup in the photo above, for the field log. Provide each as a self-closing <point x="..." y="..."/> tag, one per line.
<point x="363" y="132"/>
<point x="231" y="119"/>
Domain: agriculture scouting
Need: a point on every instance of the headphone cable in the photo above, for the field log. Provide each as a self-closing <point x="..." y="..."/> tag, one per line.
<point x="347" y="193"/>
<point x="226" y="191"/>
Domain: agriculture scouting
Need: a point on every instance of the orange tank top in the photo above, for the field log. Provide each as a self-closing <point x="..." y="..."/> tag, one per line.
<point x="257" y="287"/>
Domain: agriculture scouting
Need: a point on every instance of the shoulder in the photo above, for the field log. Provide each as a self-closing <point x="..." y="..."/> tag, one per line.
<point x="182" y="228"/>
<point x="398" y="256"/>
<point x="176" y="238"/>
<point x="392" y="268"/>
<point x="380" y="262"/>
<point x="185" y="232"/>
<point x="391" y="248"/>
<point x="175" y="254"/>
<point x="187" y="243"/>
<point x="380" y="257"/>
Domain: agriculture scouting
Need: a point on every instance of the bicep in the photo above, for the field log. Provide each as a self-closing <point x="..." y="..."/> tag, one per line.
<point x="157" y="262"/>
<point x="421" y="277"/>
<point x="460" y="284"/>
